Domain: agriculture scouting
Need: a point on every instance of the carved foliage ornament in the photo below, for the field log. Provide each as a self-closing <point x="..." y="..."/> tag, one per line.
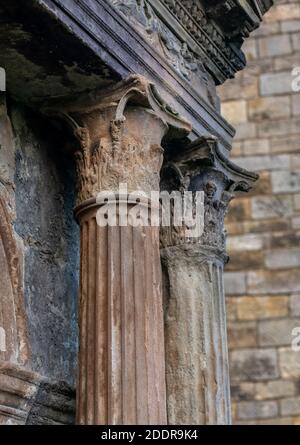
<point x="202" y="167"/>
<point x="119" y="130"/>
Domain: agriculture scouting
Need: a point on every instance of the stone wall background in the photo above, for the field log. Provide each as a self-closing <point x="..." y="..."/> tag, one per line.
<point x="263" y="276"/>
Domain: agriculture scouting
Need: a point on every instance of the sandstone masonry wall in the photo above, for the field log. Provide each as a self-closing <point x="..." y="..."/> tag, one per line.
<point x="263" y="276"/>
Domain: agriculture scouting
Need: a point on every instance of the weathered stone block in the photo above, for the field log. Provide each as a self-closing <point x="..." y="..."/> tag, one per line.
<point x="257" y="410"/>
<point x="246" y="242"/>
<point x="295" y="305"/>
<point x="256" y="147"/>
<point x="274" y="389"/>
<point x="296" y="222"/>
<point x="286" y="239"/>
<point x="264" y="207"/>
<point x="296" y="41"/>
<point x="237" y="149"/>
<point x="235" y="283"/>
<point x="231" y="308"/>
<point x="267" y="29"/>
<point x="274" y="46"/>
<point x="269" y="108"/>
<point x="286" y="181"/>
<point x="276" y="83"/>
<point x="277" y="332"/>
<point x="260" y="226"/>
<point x="286" y="144"/>
<point x="263" y="186"/>
<point x="242" y="87"/>
<point x="296" y="421"/>
<point x="295" y="161"/>
<point x="241" y="335"/>
<point x="235" y="111"/>
<point x="246" y="131"/>
<point x="253" y="364"/>
<point x="241" y="260"/>
<point x="283" y="258"/>
<point x="282" y="12"/>
<point x="284" y="63"/>
<point x="290" y="26"/>
<point x="297" y="201"/>
<point x="239" y="210"/>
<point x="258" y="308"/>
<point x="265" y="282"/>
<point x="250" y="49"/>
<point x="279" y="127"/>
<point x="289" y="363"/>
<point x="243" y="391"/>
<point x="259" y="163"/>
<point x="234" y="228"/>
<point x="290" y="406"/>
<point x="296" y="105"/>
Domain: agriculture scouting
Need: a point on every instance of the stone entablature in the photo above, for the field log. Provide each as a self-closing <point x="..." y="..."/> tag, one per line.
<point x="199" y="38"/>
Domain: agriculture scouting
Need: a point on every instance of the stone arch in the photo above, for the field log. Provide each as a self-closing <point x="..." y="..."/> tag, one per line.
<point x="13" y="335"/>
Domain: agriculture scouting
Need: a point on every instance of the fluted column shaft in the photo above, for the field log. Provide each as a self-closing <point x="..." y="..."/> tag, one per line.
<point x="122" y="371"/>
<point x="195" y="331"/>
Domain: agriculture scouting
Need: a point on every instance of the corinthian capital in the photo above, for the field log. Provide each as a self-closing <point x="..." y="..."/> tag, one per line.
<point x="201" y="167"/>
<point x="119" y="130"/>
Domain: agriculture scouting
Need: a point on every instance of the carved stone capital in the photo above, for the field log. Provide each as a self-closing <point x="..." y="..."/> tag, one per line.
<point x="119" y="130"/>
<point x="202" y="167"/>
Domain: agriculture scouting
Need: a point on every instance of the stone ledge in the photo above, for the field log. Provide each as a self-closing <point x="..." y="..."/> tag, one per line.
<point x="26" y="398"/>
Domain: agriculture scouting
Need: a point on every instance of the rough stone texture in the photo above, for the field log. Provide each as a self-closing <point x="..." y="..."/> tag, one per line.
<point x="253" y="365"/>
<point x="263" y="277"/>
<point x="27" y="398"/>
<point x="257" y="410"/>
<point x="38" y="258"/>
<point x="196" y="352"/>
<point x="44" y="182"/>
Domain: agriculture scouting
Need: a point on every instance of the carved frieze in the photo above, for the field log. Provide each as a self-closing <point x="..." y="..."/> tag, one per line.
<point x="201" y="39"/>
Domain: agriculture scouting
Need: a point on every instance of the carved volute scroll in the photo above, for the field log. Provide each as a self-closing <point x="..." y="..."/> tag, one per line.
<point x="13" y="332"/>
<point x="202" y="167"/>
<point x="118" y="142"/>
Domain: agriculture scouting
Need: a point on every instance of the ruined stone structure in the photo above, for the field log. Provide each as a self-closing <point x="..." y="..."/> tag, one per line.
<point x="263" y="276"/>
<point x="102" y="94"/>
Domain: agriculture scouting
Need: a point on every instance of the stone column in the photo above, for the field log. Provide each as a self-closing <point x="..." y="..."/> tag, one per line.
<point x="195" y="322"/>
<point x="122" y="357"/>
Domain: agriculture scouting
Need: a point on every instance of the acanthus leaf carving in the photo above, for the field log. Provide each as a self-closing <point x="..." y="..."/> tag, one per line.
<point x="119" y="131"/>
<point x="202" y="167"/>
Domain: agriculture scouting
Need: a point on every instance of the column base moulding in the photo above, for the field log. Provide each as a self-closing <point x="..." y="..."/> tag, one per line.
<point x="27" y="398"/>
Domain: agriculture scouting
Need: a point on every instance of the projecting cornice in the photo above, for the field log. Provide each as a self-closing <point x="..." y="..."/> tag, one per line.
<point x="184" y="47"/>
<point x="195" y="34"/>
